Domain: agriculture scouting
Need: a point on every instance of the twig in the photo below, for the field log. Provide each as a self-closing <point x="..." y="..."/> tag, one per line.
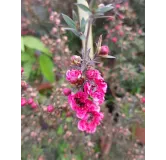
<point x="87" y="37"/>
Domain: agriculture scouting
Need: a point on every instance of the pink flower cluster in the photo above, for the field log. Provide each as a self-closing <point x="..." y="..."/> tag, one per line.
<point x="87" y="100"/>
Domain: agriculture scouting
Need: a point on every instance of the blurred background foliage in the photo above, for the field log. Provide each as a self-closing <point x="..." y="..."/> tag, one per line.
<point x="45" y="52"/>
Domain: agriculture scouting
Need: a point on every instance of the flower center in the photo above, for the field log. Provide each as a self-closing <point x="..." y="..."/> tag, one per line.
<point x="79" y="102"/>
<point x="90" y="117"/>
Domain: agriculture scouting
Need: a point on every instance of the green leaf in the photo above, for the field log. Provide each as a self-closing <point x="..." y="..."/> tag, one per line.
<point x="83" y="24"/>
<point x="107" y="56"/>
<point x="27" y="57"/>
<point x="47" y="66"/>
<point x="83" y="7"/>
<point x="35" y="43"/>
<point x="69" y="21"/>
<point x="73" y="30"/>
<point x="75" y="17"/>
<point x="105" y="8"/>
<point x="22" y="44"/>
<point x="60" y="130"/>
<point x="27" y="69"/>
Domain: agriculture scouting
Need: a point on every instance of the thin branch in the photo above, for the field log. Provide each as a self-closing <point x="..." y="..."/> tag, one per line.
<point x="87" y="37"/>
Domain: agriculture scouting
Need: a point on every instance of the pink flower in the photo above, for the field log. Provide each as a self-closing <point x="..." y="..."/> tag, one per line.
<point x="73" y="76"/>
<point x="30" y="101"/>
<point x="23" y="101"/>
<point x="89" y="106"/>
<point x="102" y="86"/>
<point x="66" y="91"/>
<point x="90" y="121"/>
<point x="80" y="103"/>
<point x="104" y="50"/>
<point x="50" y="108"/>
<point x="98" y="97"/>
<point x="93" y="74"/>
<point x="97" y="86"/>
<point x="114" y="39"/>
<point x="34" y="105"/>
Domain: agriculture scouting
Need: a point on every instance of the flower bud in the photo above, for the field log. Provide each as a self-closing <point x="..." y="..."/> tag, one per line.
<point x="23" y="101"/>
<point x="57" y="21"/>
<point x="114" y="40"/>
<point x="58" y="40"/>
<point x="101" y="5"/>
<point x="66" y="91"/>
<point x="104" y="50"/>
<point x="50" y="108"/>
<point x="54" y="30"/>
<point x="23" y="84"/>
<point x="143" y="100"/>
<point x="34" y="105"/>
<point x="75" y="59"/>
<point x="51" y="18"/>
<point x="30" y="101"/>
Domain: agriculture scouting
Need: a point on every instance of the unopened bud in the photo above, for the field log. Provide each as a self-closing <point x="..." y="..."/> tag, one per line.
<point x="101" y="5"/>
<point x="50" y="108"/>
<point x="66" y="91"/>
<point x="75" y="59"/>
<point x="104" y="50"/>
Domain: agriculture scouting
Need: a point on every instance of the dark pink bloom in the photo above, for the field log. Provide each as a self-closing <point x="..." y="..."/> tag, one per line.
<point x="50" y="108"/>
<point x="114" y="39"/>
<point x="93" y="74"/>
<point x="104" y="50"/>
<point x="90" y="121"/>
<point x="102" y="86"/>
<point x="98" y="97"/>
<point x="89" y="106"/>
<point x="78" y="101"/>
<point x="30" y="101"/>
<point x="23" y="101"/>
<point x="97" y="86"/>
<point x="34" y="105"/>
<point x="143" y="100"/>
<point x="66" y="91"/>
<point x="73" y="76"/>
